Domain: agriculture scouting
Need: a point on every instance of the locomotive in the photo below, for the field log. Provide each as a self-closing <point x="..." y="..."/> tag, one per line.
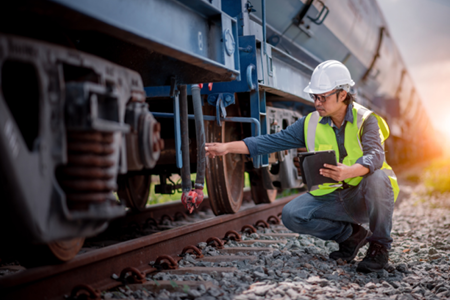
<point x="98" y="96"/>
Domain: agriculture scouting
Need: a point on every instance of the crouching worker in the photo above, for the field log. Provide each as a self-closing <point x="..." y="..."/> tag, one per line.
<point x="367" y="186"/>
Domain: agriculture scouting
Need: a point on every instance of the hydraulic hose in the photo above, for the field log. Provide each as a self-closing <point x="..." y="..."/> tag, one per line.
<point x="189" y="196"/>
<point x="201" y="152"/>
<point x="186" y="169"/>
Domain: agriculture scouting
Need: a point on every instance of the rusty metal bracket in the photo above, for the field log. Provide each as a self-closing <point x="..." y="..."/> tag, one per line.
<point x="273" y="220"/>
<point x="233" y="235"/>
<point x="165" y="217"/>
<point x="198" y="252"/>
<point x="150" y="221"/>
<point x="165" y="262"/>
<point x="249" y="228"/>
<point x="262" y="223"/>
<point x="180" y="216"/>
<point x="135" y="276"/>
<point x="82" y="291"/>
<point x="214" y="240"/>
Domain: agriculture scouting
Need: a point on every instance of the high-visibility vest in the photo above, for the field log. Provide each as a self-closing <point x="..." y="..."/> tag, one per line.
<point x="322" y="137"/>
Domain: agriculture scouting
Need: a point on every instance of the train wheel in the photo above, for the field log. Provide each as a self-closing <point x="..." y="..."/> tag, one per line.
<point x="135" y="190"/>
<point x="66" y="250"/>
<point x="259" y="193"/>
<point x="225" y="174"/>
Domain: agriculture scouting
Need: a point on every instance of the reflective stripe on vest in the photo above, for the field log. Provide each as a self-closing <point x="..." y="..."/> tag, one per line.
<point x="311" y="136"/>
<point x="320" y="136"/>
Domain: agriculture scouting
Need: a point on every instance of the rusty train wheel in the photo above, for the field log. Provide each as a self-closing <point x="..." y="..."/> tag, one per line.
<point x="259" y="193"/>
<point x="135" y="190"/>
<point x="225" y="175"/>
<point x="65" y="250"/>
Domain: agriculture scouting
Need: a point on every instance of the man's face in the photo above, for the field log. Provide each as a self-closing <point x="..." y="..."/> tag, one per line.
<point x="329" y="103"/>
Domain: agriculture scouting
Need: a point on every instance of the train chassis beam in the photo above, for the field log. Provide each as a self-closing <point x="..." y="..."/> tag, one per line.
<point x="194" y="40"/>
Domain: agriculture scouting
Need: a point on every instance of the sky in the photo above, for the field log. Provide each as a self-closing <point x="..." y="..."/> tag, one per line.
<point x="421" y="30"/>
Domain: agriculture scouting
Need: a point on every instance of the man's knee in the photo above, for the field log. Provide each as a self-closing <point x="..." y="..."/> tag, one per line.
<point x="287" y="215"/>
<point x="294" y="214"/>
<point x="297" y="214"/>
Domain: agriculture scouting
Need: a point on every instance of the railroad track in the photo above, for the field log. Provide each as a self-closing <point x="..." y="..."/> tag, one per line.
<point x="108" y="267"/>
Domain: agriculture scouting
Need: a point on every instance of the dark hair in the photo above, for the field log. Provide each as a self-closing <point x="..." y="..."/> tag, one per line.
<point x="349" y="99"/>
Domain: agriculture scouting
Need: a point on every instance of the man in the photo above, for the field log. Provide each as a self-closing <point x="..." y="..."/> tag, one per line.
<point x="365" y="194"/>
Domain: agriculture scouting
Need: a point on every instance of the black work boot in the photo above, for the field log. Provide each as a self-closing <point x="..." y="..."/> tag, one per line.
<point x="349" y="248"/>
<point x="376" y="259"/>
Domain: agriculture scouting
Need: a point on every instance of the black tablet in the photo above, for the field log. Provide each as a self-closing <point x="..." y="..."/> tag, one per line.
<point x="312" y="162"/>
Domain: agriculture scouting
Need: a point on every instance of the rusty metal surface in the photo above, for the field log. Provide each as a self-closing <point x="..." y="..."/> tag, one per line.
<point x="96" y="267"/>
<point x="89" y="175"/>
<point x="225" y="174"/>
<point x="85" y="290"/>
<point x="134" y="189"/>
<point x="198" y="252"/>
<point x="67" y="249"/>
<point x="156" y="212"/>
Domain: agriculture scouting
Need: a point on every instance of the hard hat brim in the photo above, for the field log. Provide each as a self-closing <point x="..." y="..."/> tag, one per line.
<point x="315" y="91"/>
<point x="310" y="90"/>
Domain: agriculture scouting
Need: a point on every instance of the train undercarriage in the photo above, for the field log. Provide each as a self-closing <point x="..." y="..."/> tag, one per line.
<point x="87" y="132"/>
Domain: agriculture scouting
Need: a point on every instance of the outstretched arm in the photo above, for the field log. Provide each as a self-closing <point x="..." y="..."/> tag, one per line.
<point x="291" y="137"/>
<point x="219" y="149"/>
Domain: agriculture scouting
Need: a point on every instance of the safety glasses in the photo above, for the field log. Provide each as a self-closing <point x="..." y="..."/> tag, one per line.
<point x="323" y="98"/>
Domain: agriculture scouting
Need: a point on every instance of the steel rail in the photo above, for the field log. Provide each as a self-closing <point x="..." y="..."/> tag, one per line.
<point x="157" y="211"/>
<point x="96" y="267"/>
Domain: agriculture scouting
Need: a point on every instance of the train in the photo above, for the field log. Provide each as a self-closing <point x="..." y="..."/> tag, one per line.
<point x="99" y="96"/>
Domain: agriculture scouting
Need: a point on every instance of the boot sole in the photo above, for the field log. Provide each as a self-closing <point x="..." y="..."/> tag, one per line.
<point x="361" y="244"/>
<point x="369" y="270"/>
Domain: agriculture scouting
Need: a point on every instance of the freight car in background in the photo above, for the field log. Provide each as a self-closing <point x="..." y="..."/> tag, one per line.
<point x="98" y="96"/>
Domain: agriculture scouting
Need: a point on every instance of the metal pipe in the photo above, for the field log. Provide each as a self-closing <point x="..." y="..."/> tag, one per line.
<point x="186" y="169"/>
<point x="213" y="118"/>
<point x="200" y="130"/>
<point x="256" y="160"/>
<point x="263" y="7"/>
<point x="177" y="129"/>
<point x="263" y="42"/>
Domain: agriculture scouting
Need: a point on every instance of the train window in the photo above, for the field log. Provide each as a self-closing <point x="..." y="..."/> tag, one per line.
<point x="20" y="88"/>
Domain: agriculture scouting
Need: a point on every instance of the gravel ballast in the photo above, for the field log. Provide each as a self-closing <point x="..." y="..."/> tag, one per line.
<point x="300" y="269"/>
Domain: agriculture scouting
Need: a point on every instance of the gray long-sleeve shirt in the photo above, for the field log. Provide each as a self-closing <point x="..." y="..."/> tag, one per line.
<point x="294" y="137"/>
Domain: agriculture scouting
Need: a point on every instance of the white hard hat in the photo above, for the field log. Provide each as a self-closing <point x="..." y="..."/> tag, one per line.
<point x="327" y="76"/>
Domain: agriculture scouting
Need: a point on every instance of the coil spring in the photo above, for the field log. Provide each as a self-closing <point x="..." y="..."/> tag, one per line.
<point x="89" y="176"/>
